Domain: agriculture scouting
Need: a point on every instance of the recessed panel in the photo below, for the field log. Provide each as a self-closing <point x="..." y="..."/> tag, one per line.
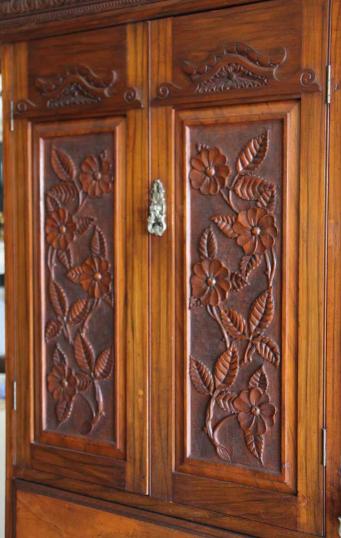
<point x="79" y="269"/>
<point x="236" y="174"/>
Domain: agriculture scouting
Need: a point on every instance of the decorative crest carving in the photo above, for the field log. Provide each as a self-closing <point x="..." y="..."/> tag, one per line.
<point x="78" y="85"/>
<point x="236" y="66"/>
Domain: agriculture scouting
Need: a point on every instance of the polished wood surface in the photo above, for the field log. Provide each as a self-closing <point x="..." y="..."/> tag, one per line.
<point x="41" y="516"/>
<point x="333" y="302"/>
<point x="187" y="377"/>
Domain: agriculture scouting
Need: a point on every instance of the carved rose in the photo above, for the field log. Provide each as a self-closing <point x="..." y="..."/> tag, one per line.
<point x="210" y="282"/>
<point x="93" y="275"/>
<point x="62" y="383"/>
<point x="60" y="228"/>
<point x="256" y="230"/>
<point x="255" y="414"/>
<point x="96" y="175"/>
<point x="209" y="172"/>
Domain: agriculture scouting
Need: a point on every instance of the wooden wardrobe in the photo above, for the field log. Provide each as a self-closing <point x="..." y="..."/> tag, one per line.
<point x="173" y="249"/>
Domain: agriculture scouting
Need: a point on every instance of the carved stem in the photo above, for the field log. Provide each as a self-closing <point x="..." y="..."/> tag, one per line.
<point x="248" y="347"/>
<point x="93" y="412"/>
<point x="212" y="431"/>
<point x="214" y="313"/>
<point x="100" y="405"/>
<point x="228" y="200"/>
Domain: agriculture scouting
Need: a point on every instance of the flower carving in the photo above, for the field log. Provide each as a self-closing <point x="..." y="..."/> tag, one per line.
<point x="69" y="220"/>
<point x="255" y="414"/>
<point x="96" y="175"/>
<point x="256" y="230"/>
<point x="209" y="171"/>
<point x="93" y="275"/>
<point x="62" y="383"/>
<point x="210" y="282"/>
<point x="60" y="228"/>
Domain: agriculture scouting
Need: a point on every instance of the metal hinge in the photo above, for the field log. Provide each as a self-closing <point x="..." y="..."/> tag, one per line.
<point x="14" y="395"/>
<point x="329" y="84"/>
<point x="11" y="127"/>
<point x="324" y="447"/>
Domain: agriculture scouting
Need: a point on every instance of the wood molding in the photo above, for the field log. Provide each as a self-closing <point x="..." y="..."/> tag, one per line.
<point x="41" y="17"/>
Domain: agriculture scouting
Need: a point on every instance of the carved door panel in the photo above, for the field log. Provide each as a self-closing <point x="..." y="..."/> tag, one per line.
<point x="74" y="128"/>
<point x="239" y="389"/>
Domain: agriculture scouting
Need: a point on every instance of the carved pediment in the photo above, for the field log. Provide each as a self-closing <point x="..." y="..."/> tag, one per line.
<point x="236" y="66"/>
<point x="77" y="85"/>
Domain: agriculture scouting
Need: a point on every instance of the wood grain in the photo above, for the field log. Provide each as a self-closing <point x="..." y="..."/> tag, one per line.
<point x="333" y="302"/>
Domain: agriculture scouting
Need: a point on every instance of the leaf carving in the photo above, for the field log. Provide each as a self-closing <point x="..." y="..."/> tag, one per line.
<point x="51" y="203"/>
<point x="83" y="381"/>
<point x="226" y="367"/>
<point x="233" y="322"/>
<point x="104" y="364"/>
<point x="262" y="312"/>
<point x="249" y="263"/>
<point x="254" y="188"/>
<point x="52" y="329"/>
<point x="255" y="444"/>
<point x="78" y="311"/>
<point x="223" y="453"/>
<point x="259" y="380"/>
<point x="208" y="246"/>
<point x="267" y="349"/>
<point x="98" y="243"/>
<point x="225" y="225"/>
<point x="62" y="192"/>
<point x="64" y="410"/>
<point x="63" y="165"/>
<point x="75" y="274"/>
<point x="58" y="298"/>
<point x="201" y="377"/>
<point x="253" y="154"/>
<point x="225" y="400"/>
<point x="84" y="354"/>
<point x="84" y="223"/>
<point x="65" y="257"/>
<point x="238" y="281"/>
<point x="268" y="199"/>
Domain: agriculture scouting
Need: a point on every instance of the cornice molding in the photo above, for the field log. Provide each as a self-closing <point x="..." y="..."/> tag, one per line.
<point x="17" y="15"/>
<point x="10" y="9"/>
<point x="33" y="18"/>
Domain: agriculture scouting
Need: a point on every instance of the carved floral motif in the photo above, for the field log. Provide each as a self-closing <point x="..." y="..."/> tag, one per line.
<point x="75" y="366"/>
<point x="209" y="171"/>
<point x="77" y="85"/>
<point x="254" y="230"/>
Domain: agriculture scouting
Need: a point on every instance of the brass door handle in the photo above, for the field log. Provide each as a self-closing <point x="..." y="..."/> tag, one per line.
<point x="157" y="209"/>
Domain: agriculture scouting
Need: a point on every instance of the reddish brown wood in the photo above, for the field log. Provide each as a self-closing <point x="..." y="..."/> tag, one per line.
<point x="205" y="321"/>
<point x="210" y="468"/>
<point x="237" y="331"/>
<point x="20" y="20"/>
<point x="333" y="303"/>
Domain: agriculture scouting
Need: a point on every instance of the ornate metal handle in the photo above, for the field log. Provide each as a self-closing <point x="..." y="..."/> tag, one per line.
<point x="157" y="209"/>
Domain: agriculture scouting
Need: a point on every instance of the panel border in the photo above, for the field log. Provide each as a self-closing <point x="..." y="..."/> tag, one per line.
<point x="288" y="112"/>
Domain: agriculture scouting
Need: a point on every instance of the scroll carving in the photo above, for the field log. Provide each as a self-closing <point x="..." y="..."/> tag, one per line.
<point x="77" y="85"/>
<point x="77" y="368"/>
<point x="251" y="224"/>
<point x="236" y="67"/>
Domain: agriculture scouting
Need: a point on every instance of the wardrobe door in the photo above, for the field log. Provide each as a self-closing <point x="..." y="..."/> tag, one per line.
<point x="80" y="341"/>
<point x="238" y="134"/>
